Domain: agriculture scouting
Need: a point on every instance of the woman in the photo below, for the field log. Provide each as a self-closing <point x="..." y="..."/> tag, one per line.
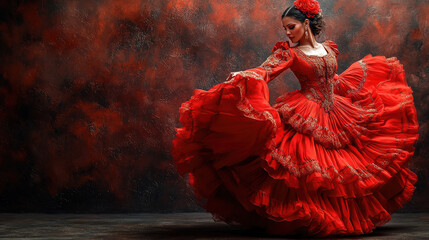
<point x="328" y="159"/>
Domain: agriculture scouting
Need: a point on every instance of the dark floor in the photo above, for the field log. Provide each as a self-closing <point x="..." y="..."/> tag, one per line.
<point x="170" y="226"/>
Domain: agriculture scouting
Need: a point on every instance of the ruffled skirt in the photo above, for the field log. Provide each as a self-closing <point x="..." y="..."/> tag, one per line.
<point x="294" y="168"/>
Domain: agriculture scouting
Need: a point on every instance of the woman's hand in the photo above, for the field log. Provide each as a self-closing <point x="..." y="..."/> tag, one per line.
<point x="234" y="73"/>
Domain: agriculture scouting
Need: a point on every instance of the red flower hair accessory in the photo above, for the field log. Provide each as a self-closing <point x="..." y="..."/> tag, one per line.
<point x="309" y="7"/>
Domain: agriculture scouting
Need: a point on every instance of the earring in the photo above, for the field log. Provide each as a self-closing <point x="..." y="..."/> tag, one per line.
<point x="306" y="32"/>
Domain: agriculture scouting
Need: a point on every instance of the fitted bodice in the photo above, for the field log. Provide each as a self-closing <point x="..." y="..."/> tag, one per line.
<point x="316" y="74"/>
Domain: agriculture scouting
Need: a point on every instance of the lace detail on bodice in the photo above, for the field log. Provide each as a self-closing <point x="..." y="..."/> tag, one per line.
<point x="320" y="88"/>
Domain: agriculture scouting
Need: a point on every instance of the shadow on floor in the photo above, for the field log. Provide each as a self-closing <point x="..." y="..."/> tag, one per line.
<point x="224" y="231"/>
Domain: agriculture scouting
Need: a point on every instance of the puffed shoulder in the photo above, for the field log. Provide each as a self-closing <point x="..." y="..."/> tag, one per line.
<point x="281" y="44"/>
<point x="333" y="46"/>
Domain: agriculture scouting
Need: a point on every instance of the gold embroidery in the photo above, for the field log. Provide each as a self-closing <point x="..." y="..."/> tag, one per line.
<point x="325" y="68"/>
<point x="300" y="169"/>
<point x="270" y="117"/>
<point x="361" y="83"/>
<point x="321" y="134"/>
<point x="275" y="59"/>
<point x="391" y="62"/>
<point x="251" y="74"/>
<point x="245" y="106"/>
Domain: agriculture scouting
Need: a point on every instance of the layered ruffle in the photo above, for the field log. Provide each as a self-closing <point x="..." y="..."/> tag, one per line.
<point x="294" y="168"/>
<point x="288" y="210"/>
<point x="344" y="124"/>
<point x="226" y="124"/>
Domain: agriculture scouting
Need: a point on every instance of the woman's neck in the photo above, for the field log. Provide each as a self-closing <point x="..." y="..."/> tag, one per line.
<point x="311" y="42"/>
<point x="308" y="42"/>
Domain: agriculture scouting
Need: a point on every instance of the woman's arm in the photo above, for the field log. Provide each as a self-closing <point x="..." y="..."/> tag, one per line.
<point x="279" y="60"/>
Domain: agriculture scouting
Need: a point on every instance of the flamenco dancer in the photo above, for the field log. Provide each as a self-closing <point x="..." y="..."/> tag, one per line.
<point x="328" y="159"/>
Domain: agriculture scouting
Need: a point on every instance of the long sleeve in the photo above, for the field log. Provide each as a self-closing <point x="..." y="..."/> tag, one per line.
<point x="279" y="60"/>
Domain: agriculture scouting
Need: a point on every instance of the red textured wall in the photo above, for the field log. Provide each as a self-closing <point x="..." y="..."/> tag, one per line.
<point x="90" y="90"/>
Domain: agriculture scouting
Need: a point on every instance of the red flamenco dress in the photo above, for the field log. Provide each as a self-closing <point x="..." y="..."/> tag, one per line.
<point x="328" y="159"/>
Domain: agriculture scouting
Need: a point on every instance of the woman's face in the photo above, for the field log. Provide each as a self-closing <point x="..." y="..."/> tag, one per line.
<point x="294" y="28"/>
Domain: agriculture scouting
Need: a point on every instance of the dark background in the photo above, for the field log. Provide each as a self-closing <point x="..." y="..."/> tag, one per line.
<point x="90" y="90"/>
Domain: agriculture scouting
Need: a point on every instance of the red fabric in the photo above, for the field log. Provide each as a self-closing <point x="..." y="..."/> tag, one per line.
<point x="328" y="159"/>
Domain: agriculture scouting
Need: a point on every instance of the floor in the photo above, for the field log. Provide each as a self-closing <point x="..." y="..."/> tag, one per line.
<point x="171" y="226"/>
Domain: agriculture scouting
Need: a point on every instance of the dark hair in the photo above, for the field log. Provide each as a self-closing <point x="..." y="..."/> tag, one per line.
<point x="316" y="23"/>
